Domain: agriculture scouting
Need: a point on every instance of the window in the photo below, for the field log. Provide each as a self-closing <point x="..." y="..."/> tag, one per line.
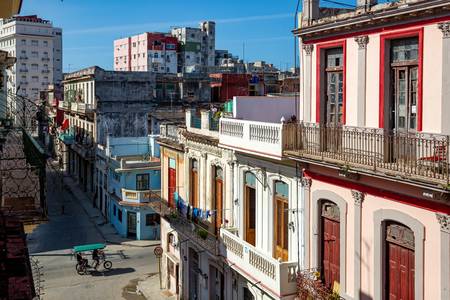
<point x="281" y="220"/>
<point x="24" y="42"/>
<point x="119" y="215"/>
<point x="114" y="210"/>
<point x="142" y="182"/>
<point x="217" y="195"/>
<point x="34" y="78"/>
<point x="155" y="55"/>
<point x="404" y="71"/>
<point x="250" y="207"/>
<point x="34" y="54"/>
<point x="152" y="220"/>
<point x="170" y="47"/>
<point x="134" y="44"/>
<point x="34" y="43"/>
<point x="45" y="43"/>
<point x="194" y="183"/>
<point x="334" y="107"/>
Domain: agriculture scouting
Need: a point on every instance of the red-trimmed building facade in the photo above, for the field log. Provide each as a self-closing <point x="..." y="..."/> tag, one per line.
<point x="373" y="143"/>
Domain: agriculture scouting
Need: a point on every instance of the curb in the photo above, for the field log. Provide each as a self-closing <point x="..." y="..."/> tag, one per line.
<point x="69" y="188"/>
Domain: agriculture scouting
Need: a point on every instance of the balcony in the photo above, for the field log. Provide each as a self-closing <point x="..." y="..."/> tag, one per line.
<point x="134" y="196"/>
<point x="276" y="276"/>
<point x="84" y="108"/>
<point x="264" y="139"/>
<point x="189" y="229"/>
<point x="64" y="105"/>
<point x="418" y="156"/>
<point x="74" y="107"/>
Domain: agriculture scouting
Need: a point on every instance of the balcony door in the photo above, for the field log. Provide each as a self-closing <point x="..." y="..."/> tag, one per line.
<point x="218" y="197"/>
<point x="403" y="103"/>
<point x="131" y="224"/>
<point x="334" y="100"/>
<point x="172" y="182"/>
<point x="404" y="81"/>
<point x="142" y="182"/>
<point x="400" y="262"/>
<point x="250" y="208"/>
<point x="194" y="184"/>
<point x="281" y="221"/>
<point x="330" y="244"/>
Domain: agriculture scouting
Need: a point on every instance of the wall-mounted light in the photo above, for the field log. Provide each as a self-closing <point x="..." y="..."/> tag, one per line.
<point x="291" y="226"/>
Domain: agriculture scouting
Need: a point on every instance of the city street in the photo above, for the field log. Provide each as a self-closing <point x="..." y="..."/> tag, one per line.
<point x="51" y="245"/>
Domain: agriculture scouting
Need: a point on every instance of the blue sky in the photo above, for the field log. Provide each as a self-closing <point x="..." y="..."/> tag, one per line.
<point x="90" y="26"/>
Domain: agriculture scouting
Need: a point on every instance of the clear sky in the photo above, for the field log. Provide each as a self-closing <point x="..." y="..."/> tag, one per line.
<point x="90" y="26"/>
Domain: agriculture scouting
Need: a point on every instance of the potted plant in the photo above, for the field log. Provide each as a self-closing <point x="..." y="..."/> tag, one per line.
<point x="202" y="233"/>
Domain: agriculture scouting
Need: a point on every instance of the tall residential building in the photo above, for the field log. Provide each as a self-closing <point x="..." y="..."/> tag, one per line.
<point x="38" y="48"/>
<point x="150" y="52"/>
<point x="197" y="46"/>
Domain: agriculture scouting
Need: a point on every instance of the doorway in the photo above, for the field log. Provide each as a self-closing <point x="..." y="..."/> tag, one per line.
<point x="131" y="224"/>
<point x="330" y="244"/>
<point x="172" y="182"/>
<point x="218" y="197"/>
<point x="250" y="208"/>
<point x="281" y="221"/>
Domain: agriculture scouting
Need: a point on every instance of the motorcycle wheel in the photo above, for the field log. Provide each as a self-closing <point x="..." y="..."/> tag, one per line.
<point x="81" y="270"/>
<point x="107" y="265"/>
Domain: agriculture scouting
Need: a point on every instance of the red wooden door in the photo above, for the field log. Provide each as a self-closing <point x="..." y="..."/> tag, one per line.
<point x="172" y="185"/>
<point x="400" y="279"/>
<point x="331" y="251"/>
<point x="219" y="203"/>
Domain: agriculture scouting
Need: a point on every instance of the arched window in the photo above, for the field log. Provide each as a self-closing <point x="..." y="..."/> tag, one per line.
<point x="330" y="244"/>
<point x="250" y="207"/>
<point x="281" y="220"/>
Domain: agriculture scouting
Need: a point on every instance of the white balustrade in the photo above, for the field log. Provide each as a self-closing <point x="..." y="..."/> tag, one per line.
<point x="274" y="275"/>
<point x="261" y="138"/>
<point x="137" y="196"/>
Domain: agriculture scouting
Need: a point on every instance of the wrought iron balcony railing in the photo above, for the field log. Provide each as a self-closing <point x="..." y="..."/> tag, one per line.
<point x="419" y="156"/>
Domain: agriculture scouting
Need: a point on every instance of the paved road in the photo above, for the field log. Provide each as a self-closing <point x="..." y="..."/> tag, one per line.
<point x="50" y="244"/>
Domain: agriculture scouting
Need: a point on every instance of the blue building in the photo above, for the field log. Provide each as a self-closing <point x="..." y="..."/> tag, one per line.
<point x="133" y="181"/>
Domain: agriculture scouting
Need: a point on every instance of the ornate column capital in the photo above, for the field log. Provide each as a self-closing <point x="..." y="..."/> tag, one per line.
<point x="444" y="221"/>
<point x="308" y="48"/>
<point x="358" y="197"/>
<point x="306" y="182"/>
<point x="445" y="28"/>
<point x="362" y="41"/>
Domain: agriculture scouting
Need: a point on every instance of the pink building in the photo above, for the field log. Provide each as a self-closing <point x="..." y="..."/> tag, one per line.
<point x="152" y="52"/>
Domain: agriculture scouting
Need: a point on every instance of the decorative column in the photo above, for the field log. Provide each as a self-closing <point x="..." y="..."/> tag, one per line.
<point x="229" y="213"/>
<point x="306" y="184"/>
<point x="445" y="104"/>
<point x="444" y="222"/>
<point x="203" y="176"/>
<point x="307" y="80"/>
<point x="359" y="198"/>
<point x="361" y="85"/>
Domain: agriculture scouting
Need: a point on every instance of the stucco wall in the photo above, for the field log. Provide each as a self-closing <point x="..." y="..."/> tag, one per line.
<point x="432" y="78"/>
<point x="371" y="204"/>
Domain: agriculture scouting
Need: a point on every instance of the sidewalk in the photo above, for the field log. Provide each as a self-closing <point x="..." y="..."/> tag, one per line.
<point x="149" y="288"/>
<point x="105" y="229"/>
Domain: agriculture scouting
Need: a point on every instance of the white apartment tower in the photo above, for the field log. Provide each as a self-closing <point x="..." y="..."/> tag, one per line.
<point x="37" y="45"/>
<point x="197" y="45"/>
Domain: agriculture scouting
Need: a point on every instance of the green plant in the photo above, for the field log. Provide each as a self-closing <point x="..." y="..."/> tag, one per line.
<point x="202" y="233"/>
<point x="334" y="296"/>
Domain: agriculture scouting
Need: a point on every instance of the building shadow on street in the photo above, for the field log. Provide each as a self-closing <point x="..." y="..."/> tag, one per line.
<point x="112" y="272"/>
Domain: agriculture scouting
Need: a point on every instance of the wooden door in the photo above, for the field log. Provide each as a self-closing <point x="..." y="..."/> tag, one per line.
<point x="250" y="215"/>
<point x="194" y="184"/>
<point x="172" y="186"/>
<point x="330" y="251"/>
<point x="400" y="263"/>
<point x="131" y="224"/>
<point x="218" y="197"/>
<point x="281" y="228"/>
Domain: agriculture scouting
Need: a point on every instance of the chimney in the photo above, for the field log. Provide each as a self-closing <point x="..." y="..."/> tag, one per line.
<point x="365" y="4"/>
<point x="310" y="10"/>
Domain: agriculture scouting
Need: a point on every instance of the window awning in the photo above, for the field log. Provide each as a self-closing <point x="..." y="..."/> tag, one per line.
<point x="9" y="8"/>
